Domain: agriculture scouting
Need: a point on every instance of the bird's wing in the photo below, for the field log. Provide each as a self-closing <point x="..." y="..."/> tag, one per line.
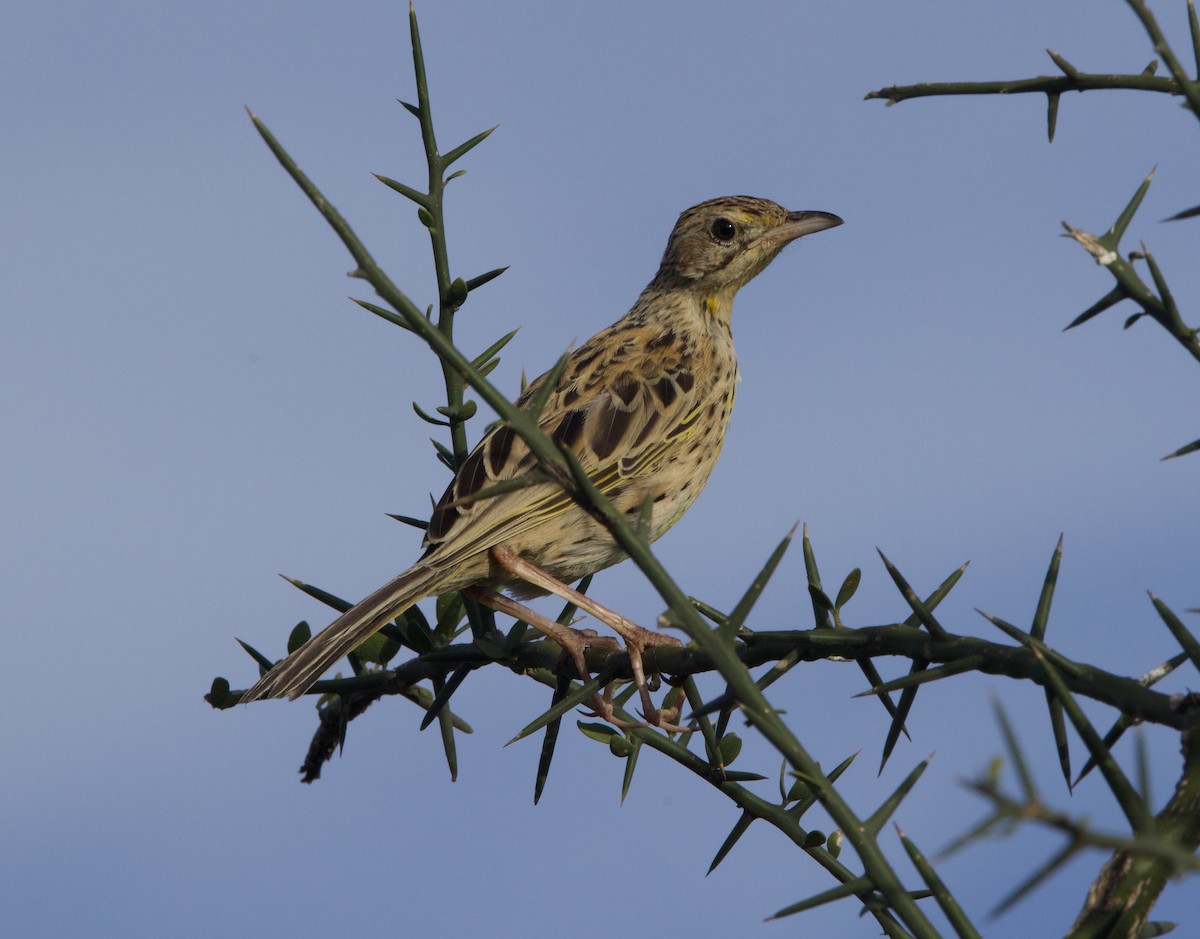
<point x="620" y="406"/>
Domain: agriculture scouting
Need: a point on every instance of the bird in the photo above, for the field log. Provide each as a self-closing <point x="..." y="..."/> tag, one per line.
<point x="643" y="406"/>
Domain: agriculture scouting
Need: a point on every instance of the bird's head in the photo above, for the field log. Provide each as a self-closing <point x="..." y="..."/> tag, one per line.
<point x="719" y="245"/>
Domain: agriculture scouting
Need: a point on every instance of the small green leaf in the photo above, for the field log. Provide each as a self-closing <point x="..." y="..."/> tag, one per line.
<point x="849" y="587"/>
<point x="618" y="746"/>
<point x="673" y="700"/>
<point x="493" y="650"/>
<point x="464" y="412"/>
<point x="814" y="839"/>
<point x="450" y="611"/>
<point x="301" y="633"/>
<point x="833" y="844"/>
<point x="425" y="217"/>
<point x="414" y="630"/>
<point x="429" y="418"/>
<point x="729" y="748"/>
<point x="602" y="733"/>
<point x="800" y="789"/>
<point x="219" y="696"/>
<point x="378" y="648"/>
<point x="515" y="636"/>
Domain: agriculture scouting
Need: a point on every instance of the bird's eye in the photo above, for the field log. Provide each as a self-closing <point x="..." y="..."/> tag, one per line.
<point x="723" y="230"/>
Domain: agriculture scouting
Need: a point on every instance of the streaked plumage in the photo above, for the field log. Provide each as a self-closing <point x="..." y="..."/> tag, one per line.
<point x="644" y="406"/>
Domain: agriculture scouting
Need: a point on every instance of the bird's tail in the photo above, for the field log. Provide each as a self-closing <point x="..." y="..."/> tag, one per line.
<point x="295" y="674"/>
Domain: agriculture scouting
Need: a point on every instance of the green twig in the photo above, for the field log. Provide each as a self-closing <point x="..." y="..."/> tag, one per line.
<point x="1189" y="87"/>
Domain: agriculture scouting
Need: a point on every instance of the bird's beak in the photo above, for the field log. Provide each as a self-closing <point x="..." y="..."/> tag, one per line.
<point x="799" y="224"/>
<point x="796" y="225"/>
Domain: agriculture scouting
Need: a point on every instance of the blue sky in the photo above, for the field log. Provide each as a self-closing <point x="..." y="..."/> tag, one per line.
<point x="191" y="404"/>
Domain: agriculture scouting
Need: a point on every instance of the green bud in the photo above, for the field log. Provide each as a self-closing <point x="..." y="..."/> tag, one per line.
<point x="456" y="296"/>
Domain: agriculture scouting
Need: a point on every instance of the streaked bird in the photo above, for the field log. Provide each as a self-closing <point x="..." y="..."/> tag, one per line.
<point x="643" y="406"/>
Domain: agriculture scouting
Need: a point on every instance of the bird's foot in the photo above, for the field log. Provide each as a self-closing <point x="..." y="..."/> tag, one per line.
<point x="574" y="643"/>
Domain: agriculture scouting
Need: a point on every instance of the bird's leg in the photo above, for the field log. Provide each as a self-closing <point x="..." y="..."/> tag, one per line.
<point x="574" y="643"/>
<point x="637" y="639"/>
